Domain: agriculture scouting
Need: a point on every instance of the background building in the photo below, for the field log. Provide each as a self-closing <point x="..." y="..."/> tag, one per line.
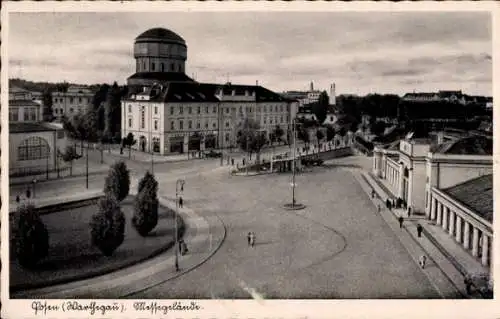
<point x="33" y="144"/>
<point x="76" y="100"/>
<point x="169" y="112"/>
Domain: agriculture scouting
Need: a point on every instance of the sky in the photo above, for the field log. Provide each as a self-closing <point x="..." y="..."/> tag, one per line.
<point x="361" y="52"/>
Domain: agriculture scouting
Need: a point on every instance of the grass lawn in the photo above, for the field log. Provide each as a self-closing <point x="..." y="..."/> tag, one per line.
<point x="71" y="256"/>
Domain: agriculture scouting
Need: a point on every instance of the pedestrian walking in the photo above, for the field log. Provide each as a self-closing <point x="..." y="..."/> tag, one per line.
<point x="232" y="161"/>
<point x="373" y="193"/>
<point x="422" y="261"/>
<point x="18" y="199"/>
<point x="419" y="230"/>
<point x="252" y="239"/>
<point x="243" y="161"/>
<point x="180" y="202"/>
<point x="468" y="284"/>
<point x="401" y="220"/>
<point x="378" y="208"/>
<point x="249" y="236"/>
<point x="409" y="211"/>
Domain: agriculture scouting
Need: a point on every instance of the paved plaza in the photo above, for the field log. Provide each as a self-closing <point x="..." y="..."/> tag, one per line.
<point x="338" y="247"/>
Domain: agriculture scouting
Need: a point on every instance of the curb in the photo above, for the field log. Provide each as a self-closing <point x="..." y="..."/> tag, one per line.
<point x="94" y="274"/>
<point x="392" y="213"/>
<point x="13" y="182"/>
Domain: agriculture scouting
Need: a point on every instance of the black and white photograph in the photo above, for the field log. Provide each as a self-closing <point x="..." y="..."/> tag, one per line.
<point x="244" y="154"/>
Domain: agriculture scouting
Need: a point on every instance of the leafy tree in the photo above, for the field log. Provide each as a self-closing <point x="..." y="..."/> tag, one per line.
<point x="31" y="237"/>
<point x="319" y="136"/>
<point x="257" y="143"/>
<point x="69" y="156"/>
<point x="117" y="183"/>
<point x="303" y="135"/>
<point x="107" y="227"/>
<point x="48" y="114"/>
<point x="277" y="133"/>
<point x="330" y="133"/>
<point x="145" y="216"/>
<point x="321" y="107"/>
<point x="128" y="142"/>
<point x="247" y="132"/>
<point x="377" y="128"/>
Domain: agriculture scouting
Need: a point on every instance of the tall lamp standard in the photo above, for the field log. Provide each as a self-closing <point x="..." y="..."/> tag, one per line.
<point x="87" y="166"/>
<point x="293" y="163"/>
<point x="179" y="188"/>
<point x="151" y="143"/>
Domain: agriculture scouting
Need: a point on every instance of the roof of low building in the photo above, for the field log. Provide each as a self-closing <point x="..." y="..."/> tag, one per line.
<point x="16" y="89"/>
<point x="23" y="103"/>
<point x="161" y="34"/>
<point x="476" y="194"/>
<point x="27" y="127"/>
<point x="471" y="145"/>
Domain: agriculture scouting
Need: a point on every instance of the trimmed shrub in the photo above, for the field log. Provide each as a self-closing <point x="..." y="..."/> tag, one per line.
<point x="107" y="227"/>
<point x="31" y="237"/>
<point x="145" y="216"/>
<point x="117" y="183"/>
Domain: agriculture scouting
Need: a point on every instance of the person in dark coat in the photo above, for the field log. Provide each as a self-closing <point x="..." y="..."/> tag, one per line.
<point x="232" y="161"/>
<point x="401" y="220"/>
<point x="180" y="202"/>
<point x="409" y="211"/>
<point x="468" y="284"/>
<point x="249" y="235"/>
<point x="252" y="239"/>
<point x="419" y="230"/>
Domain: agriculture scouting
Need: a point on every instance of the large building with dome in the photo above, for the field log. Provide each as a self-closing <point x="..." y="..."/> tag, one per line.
<point x="169" y="112"/>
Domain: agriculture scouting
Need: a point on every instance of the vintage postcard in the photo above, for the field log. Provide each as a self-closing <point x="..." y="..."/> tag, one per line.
<point x="248" y="159"/>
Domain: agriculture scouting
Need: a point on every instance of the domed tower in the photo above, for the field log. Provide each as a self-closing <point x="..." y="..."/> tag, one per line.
<point x="160" y="56"/>
<point x="160" y="50"/>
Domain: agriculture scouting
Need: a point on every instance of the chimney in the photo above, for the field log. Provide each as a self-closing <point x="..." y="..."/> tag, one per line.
<point x="312" y="86"/>
<point x="332" y="95"/>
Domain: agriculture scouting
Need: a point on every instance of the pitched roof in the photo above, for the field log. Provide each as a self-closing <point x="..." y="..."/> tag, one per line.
<point x="162" y="76"/>
<point x="476" y="194"/>
<point x="16" y="89"/>
<point x="471" y="145"/>
<point x="23" y="103"/>
<point x="207" y="92"/>
<point x="26" y="127"/>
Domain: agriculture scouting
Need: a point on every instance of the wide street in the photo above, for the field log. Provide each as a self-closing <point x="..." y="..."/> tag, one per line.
<point x="338" y="247"/>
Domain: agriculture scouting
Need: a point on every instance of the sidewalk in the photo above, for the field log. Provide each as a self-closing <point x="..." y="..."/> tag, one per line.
<point x="204" y="236"/>
<point x="78" y="171"/>
<point x="442" y="251"/>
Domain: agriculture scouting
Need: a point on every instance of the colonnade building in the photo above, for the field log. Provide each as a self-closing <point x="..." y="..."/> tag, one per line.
<point x="452" y="183"/>
<point x="168" y="112"/>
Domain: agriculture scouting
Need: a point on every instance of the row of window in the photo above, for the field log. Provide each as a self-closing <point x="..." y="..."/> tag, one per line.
<point x="33" y="148"/>
<point x="61" y="111"/>
<point x="30" y="114"/>
<point x="198" y="124"/>
<point x="173" y="67"/>
<point x="189" y="109"/>
<point x="72" y="100"/>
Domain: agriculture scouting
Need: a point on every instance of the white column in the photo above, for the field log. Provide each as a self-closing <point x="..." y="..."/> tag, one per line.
<point x="410" y="188"/>
<point x="439" y="220"/>
<point x="431" y="213"/>
<point x="451" y="222"/>
<point x="485" y="250"/>
<point x="401" y="182"/>
<point x="434" y="208"/>
<point x="466" y="235"/>
<point x="475" y="242"/>
<point x="445" y="217"/>
<point x="458" y="227"/>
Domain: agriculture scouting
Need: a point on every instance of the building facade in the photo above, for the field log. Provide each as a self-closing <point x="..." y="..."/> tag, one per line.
<point x="33" y="144"/>
<point x="76" y="100"/>
<point x="169" y="112"/>
<point x="451" y="182"/>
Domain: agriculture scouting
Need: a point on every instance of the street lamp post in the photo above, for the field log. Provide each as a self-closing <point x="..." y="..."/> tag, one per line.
<point x="87" y="166"/>
<point x="293" y="165"/>
<point x="34" y="186"/>
<point x="179" y="188"/>
<point x="48" y="155"/>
